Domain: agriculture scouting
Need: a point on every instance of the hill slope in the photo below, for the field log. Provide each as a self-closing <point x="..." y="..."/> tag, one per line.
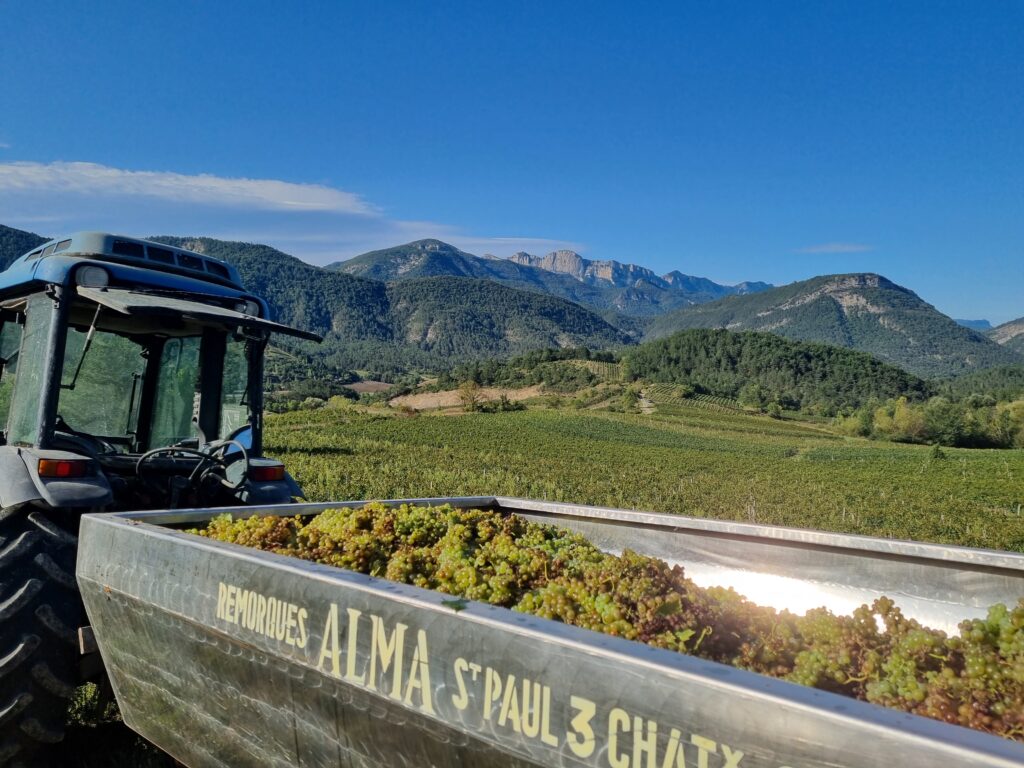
<point x="865" y="312"/>
<point x="1004" y="383"/>
<point x="426" y="322"/>
<point x="301" y="294"/>
<point x="461" y="317"/>
<point x="762" y="367"/>
<point x="15" y="242"/>
<point x="1010" y="335"/>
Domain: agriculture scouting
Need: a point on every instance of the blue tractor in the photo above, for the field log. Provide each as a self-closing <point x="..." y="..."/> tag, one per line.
<point x="132" y="378"/>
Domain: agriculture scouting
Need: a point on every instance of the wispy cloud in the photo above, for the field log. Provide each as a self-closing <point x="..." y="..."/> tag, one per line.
<point x="4" y="145"/>
<point x="313" y="221"/>
<point x="836" y="248"/>
<point x="95" y="179"/>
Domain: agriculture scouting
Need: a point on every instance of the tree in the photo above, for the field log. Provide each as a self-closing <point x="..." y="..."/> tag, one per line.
<point x="908" y="423"/>
<point x="470" y="396"/>
<point x="753" y="395"/>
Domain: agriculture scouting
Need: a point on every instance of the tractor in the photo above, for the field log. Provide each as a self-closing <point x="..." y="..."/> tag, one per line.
<point x="132" y="379"/>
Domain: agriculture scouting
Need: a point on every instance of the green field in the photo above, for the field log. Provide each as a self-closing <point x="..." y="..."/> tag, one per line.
<point x="683" y="459"/>
<point x="679" y="459"/>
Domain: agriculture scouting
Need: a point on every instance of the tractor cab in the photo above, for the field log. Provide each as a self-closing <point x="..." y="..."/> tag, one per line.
<point x="132" y="378"/>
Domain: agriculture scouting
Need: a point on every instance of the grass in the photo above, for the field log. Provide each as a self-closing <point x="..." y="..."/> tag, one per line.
<point x="679" y="459"/>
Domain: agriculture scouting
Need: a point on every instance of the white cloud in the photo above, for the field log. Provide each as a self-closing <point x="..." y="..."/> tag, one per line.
<point x="836" y="248"/>
<point x="4" y="145"/>
<point x="315" y="222"/>
<point x="95" y="179"/>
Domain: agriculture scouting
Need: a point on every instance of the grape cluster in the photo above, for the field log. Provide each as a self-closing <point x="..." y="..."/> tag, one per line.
<point x="975" y="678"/>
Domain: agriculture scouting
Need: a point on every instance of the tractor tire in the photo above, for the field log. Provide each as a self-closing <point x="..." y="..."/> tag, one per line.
<point x="40" y="611"/>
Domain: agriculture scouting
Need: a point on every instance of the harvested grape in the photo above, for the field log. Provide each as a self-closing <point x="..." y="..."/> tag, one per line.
<point x="876" y="654"/>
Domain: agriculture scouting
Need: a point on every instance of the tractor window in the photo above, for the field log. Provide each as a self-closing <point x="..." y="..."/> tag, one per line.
<point x="101" y="384"/>
<point x="176" y="392"/>
<point x="10" y="344"/>
<point x="234" y="400"/>
<point x="23" y="425"/>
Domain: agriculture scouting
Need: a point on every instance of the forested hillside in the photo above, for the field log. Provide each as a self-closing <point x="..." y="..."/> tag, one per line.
<point x="16" y="242"/>
<point x="420" y="323"/>
<point x="300" y="294"/>
<point x="760" y="368"/>
<point x="865" y="312"/>
<point x="460" y="318"/>
<point x="1004" y="383"/>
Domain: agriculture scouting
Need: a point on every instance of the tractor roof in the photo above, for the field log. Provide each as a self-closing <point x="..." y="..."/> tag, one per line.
<point x="62" y="254"/>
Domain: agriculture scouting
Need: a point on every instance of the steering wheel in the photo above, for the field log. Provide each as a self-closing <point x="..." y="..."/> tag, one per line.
<point x="218" y="451"/>
<point x="212" y="462"/>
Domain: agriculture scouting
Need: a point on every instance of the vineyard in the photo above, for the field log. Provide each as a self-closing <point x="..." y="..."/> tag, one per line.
<point x="974" y="678"/>
<point x="672" y="394"/>
<point x="678" y="460"/>
<point x="611" y="372"/>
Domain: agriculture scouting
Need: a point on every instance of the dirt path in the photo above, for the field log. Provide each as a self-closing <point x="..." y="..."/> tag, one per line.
<point x="646" y="406"/>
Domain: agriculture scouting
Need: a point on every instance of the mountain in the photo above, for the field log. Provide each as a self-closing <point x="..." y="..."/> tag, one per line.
<point x="301" y="294"/>
<point x="592" y="272"/>
<point x="464" y="318"/>
<point x="419" y="322"/>
<point x="975" y="325"/>
<point x="15" y="243"/>
<point x="865" y="312"/>
<point x="607" y="286"/>
<point x="760" y="368"/>
<point x="1010" y="335"/>
<point x="433" y="258"/>
<point x="637" y="290"/>
<point x="428" y="304"/>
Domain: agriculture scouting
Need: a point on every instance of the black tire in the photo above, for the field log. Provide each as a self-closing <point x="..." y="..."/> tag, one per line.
<point x="40" y="611"/>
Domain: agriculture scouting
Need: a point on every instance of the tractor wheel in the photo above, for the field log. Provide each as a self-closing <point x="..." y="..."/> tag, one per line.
<point x="40" y="610"/>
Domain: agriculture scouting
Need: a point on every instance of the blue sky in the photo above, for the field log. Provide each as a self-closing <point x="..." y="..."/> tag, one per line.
<point x="738" y="141"/>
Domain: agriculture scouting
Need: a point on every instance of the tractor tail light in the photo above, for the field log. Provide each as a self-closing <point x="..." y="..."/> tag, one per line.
<point x="267" y="473"/>
<point x="63" y="467"/>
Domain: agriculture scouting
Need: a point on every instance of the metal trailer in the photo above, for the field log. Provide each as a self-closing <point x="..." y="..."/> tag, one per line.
<point x="227" y="656"/>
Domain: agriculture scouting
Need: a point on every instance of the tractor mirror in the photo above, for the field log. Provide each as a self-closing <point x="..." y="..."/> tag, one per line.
<point x="241" y="435"/>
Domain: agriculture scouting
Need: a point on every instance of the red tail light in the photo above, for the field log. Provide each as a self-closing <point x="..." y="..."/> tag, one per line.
<point x="266" y="473"/>
<point x="64" y="467"/>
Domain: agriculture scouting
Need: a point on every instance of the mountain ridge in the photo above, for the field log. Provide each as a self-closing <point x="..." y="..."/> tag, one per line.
<point x="1010" y="335"/>
<point x="369" y="321"/>
<point x="625" y="275"/>
<point x="427" y="321"/>
<point x="631" y="290"/>
<point x="862" y="311"/>
<point x="974" y="325"/>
